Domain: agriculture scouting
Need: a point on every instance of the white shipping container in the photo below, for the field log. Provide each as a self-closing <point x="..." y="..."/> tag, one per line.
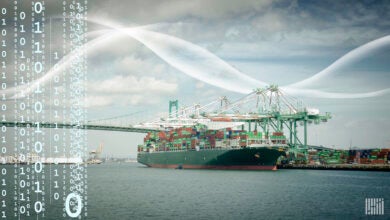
<point x="234" y="142"/>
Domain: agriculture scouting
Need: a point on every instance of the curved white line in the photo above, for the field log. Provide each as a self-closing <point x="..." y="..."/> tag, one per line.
<point x="196" y="61"/>
<point x="157" y="43"/>
<point x="312" y="93"/>
<point x="190" y="59"/>
<point x="20" y="91"/>
<point x="351" y="56"/>
<point x="185" y="57"/>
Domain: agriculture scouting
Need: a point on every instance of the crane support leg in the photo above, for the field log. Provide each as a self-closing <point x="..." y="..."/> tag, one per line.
<point x="305" y="134"/>
<point x="291" y="131"/>
<point x="295" y="133"/>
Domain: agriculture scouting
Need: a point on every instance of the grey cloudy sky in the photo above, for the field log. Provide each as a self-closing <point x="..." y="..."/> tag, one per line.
<point x="278" y="42"/>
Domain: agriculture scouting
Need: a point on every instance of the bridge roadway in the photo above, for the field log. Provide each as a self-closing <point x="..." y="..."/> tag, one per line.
<point x="70" y="126"/>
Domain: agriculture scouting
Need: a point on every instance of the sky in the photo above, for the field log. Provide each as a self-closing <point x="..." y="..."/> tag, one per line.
<point x="277" y="42"/>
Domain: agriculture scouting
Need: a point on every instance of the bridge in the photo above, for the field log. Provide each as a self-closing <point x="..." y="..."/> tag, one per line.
<point x="266" y="109"/>
<point x="77" y="126"/>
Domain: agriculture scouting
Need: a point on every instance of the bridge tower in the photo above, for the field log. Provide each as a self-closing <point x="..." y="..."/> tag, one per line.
<point x="173" y="103"/>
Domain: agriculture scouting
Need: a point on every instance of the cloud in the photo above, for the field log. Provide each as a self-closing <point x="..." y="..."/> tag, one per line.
<point x="121" y="100"/>
<point x="279" y="39"/>
<point x="199" y="85"/>
<point x="135" y="65"/>
<point x="270" y="22"/>
<point x="98" y="101"/>
<point x="128" y="90"/>
<point x="170" y="10"/>
<point x="132" y="84"/>
<point x="308" y="36"/>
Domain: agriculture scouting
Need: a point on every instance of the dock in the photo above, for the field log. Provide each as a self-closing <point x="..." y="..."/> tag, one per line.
<point x="362" y="167"/>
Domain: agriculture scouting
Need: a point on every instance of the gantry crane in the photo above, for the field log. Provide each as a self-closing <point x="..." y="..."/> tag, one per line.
<point x="266" y="109"/>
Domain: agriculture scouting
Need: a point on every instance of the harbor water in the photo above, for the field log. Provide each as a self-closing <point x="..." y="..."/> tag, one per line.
<point x="133" y="191"/>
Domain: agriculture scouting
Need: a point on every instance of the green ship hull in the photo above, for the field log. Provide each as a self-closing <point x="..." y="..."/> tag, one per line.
<point x="253" y="158"/>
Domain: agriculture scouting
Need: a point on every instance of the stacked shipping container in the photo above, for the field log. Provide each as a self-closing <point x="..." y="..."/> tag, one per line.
<point x="198" y="136"/>
<point x="330" y="156"/>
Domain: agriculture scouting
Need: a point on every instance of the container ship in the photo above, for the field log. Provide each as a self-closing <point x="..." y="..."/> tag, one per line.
<point x="197" y="147"/>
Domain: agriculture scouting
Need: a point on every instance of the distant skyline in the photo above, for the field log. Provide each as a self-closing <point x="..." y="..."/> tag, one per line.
<point x="279" y="42"/>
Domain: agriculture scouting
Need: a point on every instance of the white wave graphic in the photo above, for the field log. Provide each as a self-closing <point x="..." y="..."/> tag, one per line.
<point x="190" y="59"/>
<point x="201" y="64"/>
<point x="345" y="60"/>
<point x="312" y="93"/>
<point x="22" y="90"/>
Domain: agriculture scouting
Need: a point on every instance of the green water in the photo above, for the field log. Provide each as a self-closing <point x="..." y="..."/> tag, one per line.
<point x="131" y="191"/>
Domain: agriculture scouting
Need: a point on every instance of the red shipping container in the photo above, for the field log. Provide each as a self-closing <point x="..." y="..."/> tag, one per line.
<point x="378" y="161"/>
<point x="222" y="119"/>
<point x="278" y="133"/>
<point x="244" y="136"/>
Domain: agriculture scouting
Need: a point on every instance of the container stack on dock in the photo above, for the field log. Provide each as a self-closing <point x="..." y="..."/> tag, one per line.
<point x="368" y="156"/>
<point x="371" y="156"/>
<point x="336" y="156"/>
